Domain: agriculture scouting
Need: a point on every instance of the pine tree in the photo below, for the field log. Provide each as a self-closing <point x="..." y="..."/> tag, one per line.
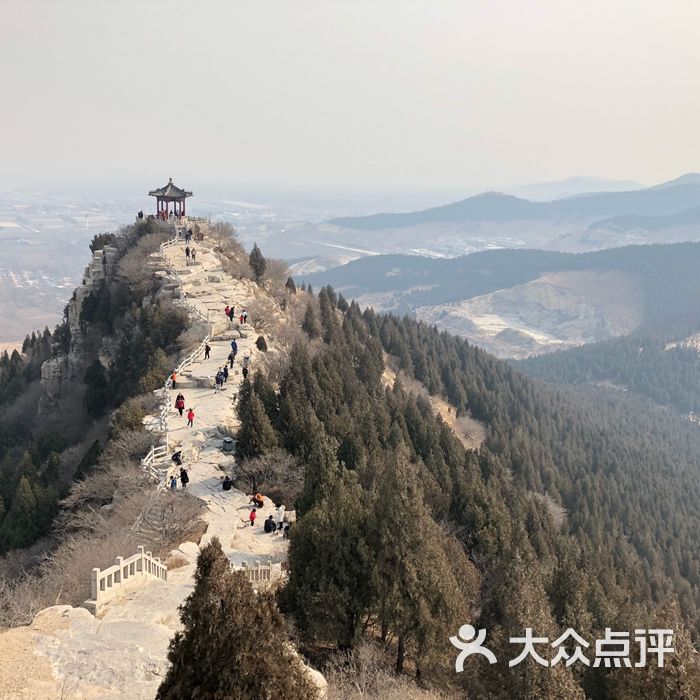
<point x="257" y="263"/>
<point x="417" y="594"/>
<point x="265" y="392"/>
<point x="256" y="435"/>
<point x="233" y="645"/>
<point x="20" y="524"/>
<point x="329" y="588"/>
<point x="310" y="324"/>
<point x="291" y="287"/>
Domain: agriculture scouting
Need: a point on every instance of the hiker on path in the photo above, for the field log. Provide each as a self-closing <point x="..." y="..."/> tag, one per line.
<point x="173" y="483"/>
<point x="207" y="350"/>
<point x="194" y="254"/>
<point x="180" y="404"/>
<point x="218" y="381"/>
<point x="240" y="319"/>
<point x="252" y="517"/>
<point x="257" y="500"/>
<point x="245" y="316"/>
<point x="234" y="348"/>
<point x="187" y="252"/>
<point x="285" y="535"/>
<point x="225" y="372"/>
<point x="270" y="525"/>
<point x="231" y="313"/>
<point x="184" y="477"/>
<point x="173" y="379"/>
<point x="227" y="310"/>
<point x="177" y="458"/>
<point x="190" y="418"/>
<point x="231" y="358"/>
<point x="244" y="372"/>
<point x="279" y="516"/>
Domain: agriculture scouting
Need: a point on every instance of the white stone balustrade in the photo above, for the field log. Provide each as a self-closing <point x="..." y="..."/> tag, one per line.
<point x="108" y="583"/>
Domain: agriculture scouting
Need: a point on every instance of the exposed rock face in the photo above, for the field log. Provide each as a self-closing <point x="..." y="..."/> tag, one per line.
<point x="59" y="371"/>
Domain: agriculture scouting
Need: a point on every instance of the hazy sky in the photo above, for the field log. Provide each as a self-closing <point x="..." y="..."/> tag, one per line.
<point x="354" y="93"/>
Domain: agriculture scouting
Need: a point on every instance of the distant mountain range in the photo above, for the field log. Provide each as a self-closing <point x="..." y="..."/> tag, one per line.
<point x="516" y="303"/>
<point x="665" y="199"/>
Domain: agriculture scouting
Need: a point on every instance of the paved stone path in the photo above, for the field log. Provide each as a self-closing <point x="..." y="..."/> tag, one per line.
<point x="66" y="652"/>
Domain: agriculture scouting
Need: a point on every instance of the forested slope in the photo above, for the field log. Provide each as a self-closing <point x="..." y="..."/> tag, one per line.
<point x="126" y="335"/>
<point x="403" y="535"/>
<point x="636" y="363"/>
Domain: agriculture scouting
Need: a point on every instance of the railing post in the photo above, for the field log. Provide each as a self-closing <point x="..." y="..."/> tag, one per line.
<point x="94" y="587"/>
<point x="118" y="575"/>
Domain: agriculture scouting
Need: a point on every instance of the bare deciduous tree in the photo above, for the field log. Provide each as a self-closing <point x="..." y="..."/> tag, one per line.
<point x="277" y="474"/>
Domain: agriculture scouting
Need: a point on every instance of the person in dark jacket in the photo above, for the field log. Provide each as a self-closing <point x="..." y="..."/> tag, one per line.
<point x="177" y="458"/>
<point x="184" y="477"/>
<point x="270" y="525"/>
<point x="207" y="350"/>
<point x="227" y="484"/>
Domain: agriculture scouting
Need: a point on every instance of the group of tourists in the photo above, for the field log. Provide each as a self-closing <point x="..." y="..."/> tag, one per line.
<point x="180" y="407"/>
<point x="230" y="312"/>
<point x="275" y="521"/>
<point x="220" y="379"/>
<point x="184" y="476"/>
<point x="191" y="253"/>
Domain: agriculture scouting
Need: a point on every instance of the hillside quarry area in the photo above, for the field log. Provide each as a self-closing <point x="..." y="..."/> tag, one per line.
<point x="122" y="652"/>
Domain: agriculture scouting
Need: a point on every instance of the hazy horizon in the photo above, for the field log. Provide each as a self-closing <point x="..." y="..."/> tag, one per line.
<point x="382" y="95"/>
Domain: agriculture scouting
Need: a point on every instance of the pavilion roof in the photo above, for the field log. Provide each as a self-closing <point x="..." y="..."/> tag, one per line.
<point x="170" y="191"/>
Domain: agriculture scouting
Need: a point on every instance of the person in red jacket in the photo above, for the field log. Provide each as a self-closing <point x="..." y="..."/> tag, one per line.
<point x="180" y="403"/>
<point x="190" y="418"/>
<point x="252" y="516"/>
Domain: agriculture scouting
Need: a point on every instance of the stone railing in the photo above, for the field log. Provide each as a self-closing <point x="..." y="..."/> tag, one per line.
<point x="106" y="584"/>
<point x="258" y="572"/>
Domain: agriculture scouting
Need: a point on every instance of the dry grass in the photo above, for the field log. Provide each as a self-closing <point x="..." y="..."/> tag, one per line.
<point x="365" y="675"/>
<point x="176" y="562"/>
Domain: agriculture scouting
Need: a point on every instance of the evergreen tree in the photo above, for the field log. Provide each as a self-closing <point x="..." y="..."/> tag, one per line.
<point x="256" y="436"/>
<point x="264" y="391"/>
<point x="417" y="595"/>
<point x="310" y="324"/>
<point x="233" y="645"/>
<point x="290" y="286"/>
<point x="20" y="524"/>
<point x="257" y="263"/>
<point x="329" y="589"/>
